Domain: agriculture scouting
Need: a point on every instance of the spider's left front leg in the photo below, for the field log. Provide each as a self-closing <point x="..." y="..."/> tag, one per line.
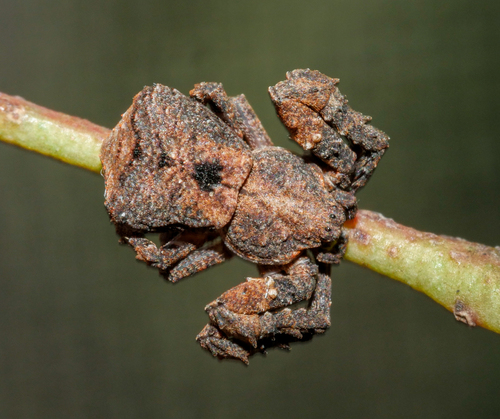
<point x="246" y="314"/>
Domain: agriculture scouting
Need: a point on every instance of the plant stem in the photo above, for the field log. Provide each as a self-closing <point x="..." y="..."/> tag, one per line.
<point x="464" y="277"/>
<point x="67" y="138"/>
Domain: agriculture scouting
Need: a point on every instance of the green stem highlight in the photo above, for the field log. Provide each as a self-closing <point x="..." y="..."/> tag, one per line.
<point x="67" y="138"/>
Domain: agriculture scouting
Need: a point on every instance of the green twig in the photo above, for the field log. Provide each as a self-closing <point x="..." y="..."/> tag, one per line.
<point x="464" y="277"/>
<point x="67" y="138"/>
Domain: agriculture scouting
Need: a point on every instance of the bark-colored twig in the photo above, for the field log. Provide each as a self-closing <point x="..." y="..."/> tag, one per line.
<point x="464" y="277"/>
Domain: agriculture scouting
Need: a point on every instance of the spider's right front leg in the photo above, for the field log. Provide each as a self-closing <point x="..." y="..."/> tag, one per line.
<point x="244" y="316"/>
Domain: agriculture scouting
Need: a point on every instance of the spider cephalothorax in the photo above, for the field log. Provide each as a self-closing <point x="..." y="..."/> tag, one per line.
<point x="212" y="184"/>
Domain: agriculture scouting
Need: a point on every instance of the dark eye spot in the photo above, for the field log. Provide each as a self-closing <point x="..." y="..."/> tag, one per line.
<point x="333" y="216"/>
<point x="207" y="175"/>
<point x="328" y="229"/>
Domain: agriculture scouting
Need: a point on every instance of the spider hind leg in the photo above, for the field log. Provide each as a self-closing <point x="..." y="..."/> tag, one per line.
<point x="180" y="256"/>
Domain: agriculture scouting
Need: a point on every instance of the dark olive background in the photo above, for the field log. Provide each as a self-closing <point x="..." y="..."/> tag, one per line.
<point x="85" y="331"/>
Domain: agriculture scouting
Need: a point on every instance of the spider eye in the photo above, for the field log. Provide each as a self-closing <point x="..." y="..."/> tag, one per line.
<point x="333" y="216"/>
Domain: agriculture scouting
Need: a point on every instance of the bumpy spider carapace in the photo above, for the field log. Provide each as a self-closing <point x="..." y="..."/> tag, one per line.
<point x="203" y="173"/>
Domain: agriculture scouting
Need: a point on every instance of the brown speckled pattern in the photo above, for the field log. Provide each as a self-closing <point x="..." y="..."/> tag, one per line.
<point x="282" y="209"/>
<point x="203" y="173"/>
<point x="154" y="160"/>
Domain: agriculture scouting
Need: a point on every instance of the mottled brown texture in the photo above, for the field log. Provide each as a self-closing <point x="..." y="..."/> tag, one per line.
<point x="211" y="339"/>
<point x="172" y="161"/>
<point x="238" y="334"/>
<point x="203" y="173"/>
<point x="236" y="112"/>
<point x="214" y="95"/>
<point x="319" y="119"/>
<point x="254" y="133"/>
<point x="198" y="261"/>
<point x="282" y="209"/>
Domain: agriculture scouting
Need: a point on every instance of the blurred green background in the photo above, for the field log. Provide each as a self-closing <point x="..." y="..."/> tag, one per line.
<point x="86" y="331"/>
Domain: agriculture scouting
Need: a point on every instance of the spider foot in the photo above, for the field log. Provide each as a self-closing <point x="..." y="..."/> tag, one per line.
<point x="211" y="339"/>
<point x="179" y="258"/>
<point x="159" y="257"/>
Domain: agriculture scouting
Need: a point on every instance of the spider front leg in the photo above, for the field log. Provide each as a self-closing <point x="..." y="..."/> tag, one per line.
<point x="332" y="253"/>
<point x="319" y="119"/>
<point x="234" y="111"/>
<point x="247" y="314"/>
<point x="179" y="256"/>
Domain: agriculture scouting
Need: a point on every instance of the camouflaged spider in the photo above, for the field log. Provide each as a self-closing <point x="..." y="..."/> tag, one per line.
<point x="194" y="175"/>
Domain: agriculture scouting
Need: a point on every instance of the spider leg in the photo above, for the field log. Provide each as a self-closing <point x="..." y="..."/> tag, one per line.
<point x="180" y="257"/>
<point x="252" y="312"/>
<point x="253" y="131"/>
<point x="197" y="261"/>
<point x="369" y="142"/>
<point x="319" y="119"/>
<point x="333" y="253"/>
<point x="347" y="200"/>
<point x="234" y="111"/>
<point x="211" y="339"/>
